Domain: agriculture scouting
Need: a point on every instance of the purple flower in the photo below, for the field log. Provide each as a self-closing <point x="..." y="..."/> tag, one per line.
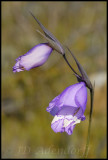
<point x="35" y="57"/>
<point x="68" y="108"/>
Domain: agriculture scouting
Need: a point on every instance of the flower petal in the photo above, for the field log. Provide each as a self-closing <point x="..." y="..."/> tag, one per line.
<point x="81" y="97"/>
<point x="83" y="118"/>
<point x="16" y="67"/>
<point x="57" y="124"/>
<point x="52" y="108"/>
<point x="67" y="97"/>
<point x="67" y="110"/>
<point x="69" y="128"/>
<point x="66" y="101"/>
<point x="64" y="123"/>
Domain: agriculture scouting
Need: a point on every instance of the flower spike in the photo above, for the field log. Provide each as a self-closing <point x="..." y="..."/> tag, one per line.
<point x="53" y="42"/>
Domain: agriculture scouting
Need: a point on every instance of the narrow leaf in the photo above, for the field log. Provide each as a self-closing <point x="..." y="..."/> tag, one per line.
<point x="82" y="71"/>
<point x="58" y="46"/>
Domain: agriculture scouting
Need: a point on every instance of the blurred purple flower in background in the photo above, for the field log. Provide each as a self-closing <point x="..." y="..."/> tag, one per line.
<point x="68" y="108"/>
<point x="35" y="57"/>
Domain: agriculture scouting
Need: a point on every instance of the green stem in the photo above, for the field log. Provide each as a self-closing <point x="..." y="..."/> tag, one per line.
<point x="89" y="127"/>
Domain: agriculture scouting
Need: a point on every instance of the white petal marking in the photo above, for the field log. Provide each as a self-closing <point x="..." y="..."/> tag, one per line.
<point x="67" y="120"/>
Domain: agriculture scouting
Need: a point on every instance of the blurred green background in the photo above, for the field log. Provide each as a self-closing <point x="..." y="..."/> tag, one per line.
<point x="26" y="126"/>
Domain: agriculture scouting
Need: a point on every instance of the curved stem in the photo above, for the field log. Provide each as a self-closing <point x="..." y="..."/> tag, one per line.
<point x="90" y="120"/>
<point x="70" y="66"/>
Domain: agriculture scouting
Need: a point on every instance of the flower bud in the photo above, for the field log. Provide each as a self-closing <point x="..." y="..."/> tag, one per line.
<point x="35" y="57"/>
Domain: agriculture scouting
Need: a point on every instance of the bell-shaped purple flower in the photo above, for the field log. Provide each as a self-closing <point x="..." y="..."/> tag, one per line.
<point x="35" y="57"/>
<point x="68" y="108"/>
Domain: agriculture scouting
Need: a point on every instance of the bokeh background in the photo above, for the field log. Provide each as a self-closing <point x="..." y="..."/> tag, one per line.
<point x="26" y="126"/>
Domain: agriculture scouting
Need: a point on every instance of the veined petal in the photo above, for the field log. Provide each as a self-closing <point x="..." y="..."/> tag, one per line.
<point x="35" y="57"/>
<point x="69" y="129"/>
<point x="57" y="124"/>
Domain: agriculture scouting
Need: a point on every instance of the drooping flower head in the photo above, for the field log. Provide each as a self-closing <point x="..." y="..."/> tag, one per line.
<point x="68" y="108"/>
<point x="35" y="57"/>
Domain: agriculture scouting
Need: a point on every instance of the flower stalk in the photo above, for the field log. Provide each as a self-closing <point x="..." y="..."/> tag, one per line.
<point x="90" y="120"/>
<point x="64" y="56"/>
